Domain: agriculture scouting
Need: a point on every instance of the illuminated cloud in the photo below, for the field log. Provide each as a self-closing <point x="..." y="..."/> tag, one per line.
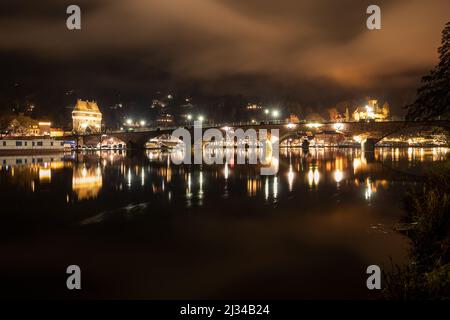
<point x="300" y="47"/>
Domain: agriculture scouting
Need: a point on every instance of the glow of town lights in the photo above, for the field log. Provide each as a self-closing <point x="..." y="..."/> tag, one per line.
<point x="274" y="139"/>
<point x="291" y="176"/>
<point x="410" y="151"/>
<point x="370" y="112"/>
<point x="313" y="177"/>
<point x="316" y="176"/>
<point x="226" y="171"/>
<point x="368" y="191"/>
<point x="357" y="138"/>
<point x="314" y="125"/>
<point x="291" y="125"/>
<point x="338" y="175"/>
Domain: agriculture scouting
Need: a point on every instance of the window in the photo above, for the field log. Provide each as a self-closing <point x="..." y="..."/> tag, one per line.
<point x="62" y="144"/>
<point x="33" y="143"/>
<point x="26" y="143"/>
<point x="39" y="143"/>
<point x="18" y="143"/>
<point x="51" y="143"/>
<point x="4" y="143"/>
<point x="18" y="161"/>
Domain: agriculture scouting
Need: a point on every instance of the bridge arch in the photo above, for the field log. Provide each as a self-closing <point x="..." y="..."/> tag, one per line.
<point x="375" y="131"/>
<point x="292" y="135"/>
<point x="297" y="134"/>
<point x="111" y="142"/>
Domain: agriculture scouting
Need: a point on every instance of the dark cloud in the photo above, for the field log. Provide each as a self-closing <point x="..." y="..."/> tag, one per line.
<point x="315" y="50"/>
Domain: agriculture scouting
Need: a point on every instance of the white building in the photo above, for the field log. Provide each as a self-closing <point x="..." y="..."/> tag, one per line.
<point x="86" y="117"/>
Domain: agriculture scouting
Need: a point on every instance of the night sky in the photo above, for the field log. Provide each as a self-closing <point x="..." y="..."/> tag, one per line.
<point x="315" y="53"/>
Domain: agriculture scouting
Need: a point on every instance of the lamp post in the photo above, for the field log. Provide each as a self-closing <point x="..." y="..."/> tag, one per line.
<point x="275" y="113"/>
<point x="266" y="112"/>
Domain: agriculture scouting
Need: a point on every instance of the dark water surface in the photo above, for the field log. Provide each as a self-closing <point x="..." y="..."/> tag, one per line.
<point x="141" y="227"/>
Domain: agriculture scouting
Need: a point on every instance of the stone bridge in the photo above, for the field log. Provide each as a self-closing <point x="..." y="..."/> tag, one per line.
<point x="370" y="133"/>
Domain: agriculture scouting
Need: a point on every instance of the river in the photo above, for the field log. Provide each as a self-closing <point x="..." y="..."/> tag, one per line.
<point x="141" y="227"/>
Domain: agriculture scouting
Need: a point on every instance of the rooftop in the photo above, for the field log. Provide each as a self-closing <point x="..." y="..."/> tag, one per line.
<point x="86" y="106"/>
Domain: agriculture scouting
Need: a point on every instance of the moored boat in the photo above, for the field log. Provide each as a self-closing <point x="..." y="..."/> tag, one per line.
<point x="25" y="145"/>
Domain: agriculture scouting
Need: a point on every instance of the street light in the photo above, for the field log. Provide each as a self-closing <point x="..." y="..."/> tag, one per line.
<point x="129" y="122"/>
<point x="291" y="125"/>
<point x="275" y="113"/>
<point x="267" y="111"/>
<point x="189" y="117"/>
<point x="201" y="118"/>
<point x="142" y="123"/>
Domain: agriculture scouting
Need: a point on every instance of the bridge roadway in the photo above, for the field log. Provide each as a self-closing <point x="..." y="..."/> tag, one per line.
<point x="370" y="133"/>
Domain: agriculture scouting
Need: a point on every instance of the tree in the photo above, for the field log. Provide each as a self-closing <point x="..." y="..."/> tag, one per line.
<point x="16" y="125"/>
<point x="4" y="125"/>
<point x="433" y="97"/>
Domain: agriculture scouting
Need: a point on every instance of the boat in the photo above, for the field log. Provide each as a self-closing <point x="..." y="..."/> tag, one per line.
<point x="25" y="145"/>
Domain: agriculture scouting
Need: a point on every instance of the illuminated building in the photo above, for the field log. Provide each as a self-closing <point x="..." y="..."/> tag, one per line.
<point x="293" y="118"/>
<point x="165" y="120"/>
<point x="158" y="104"/>
<point x="372" y="112"/>
<point x="23" y="126"/>
<point x="253" y="106"/>
<point x="86" y="117"/>
<point x="44" y="128"/>
<point x="56" y="132"/>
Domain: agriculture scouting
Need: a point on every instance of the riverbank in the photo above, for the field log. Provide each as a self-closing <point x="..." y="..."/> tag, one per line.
<point x="427" y="225"/>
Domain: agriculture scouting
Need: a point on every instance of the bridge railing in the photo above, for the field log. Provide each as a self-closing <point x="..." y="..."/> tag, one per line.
<point x="191" y="125"/>
<point x="261" y="122"/>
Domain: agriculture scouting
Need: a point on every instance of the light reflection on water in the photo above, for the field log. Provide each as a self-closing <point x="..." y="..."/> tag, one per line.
<point x="154" y="172"/>
<point x="326" y="211"/>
